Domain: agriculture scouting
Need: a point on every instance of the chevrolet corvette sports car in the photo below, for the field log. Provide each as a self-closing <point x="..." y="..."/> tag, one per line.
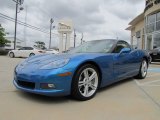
<point x="81" y="71"/>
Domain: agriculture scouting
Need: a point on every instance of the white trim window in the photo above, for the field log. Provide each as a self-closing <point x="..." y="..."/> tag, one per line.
<point x="158" y="21"/>
<point x="153" y="23"/>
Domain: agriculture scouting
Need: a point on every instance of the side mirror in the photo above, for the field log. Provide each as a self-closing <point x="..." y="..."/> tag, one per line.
<point x="125" y="50"/>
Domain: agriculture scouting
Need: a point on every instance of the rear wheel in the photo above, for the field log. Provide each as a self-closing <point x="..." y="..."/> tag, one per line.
<point x="85" y="82"/>
<point x="143" y="70"/>
<point x="32" y="54"/>
<point x="11" y="55"/>
<point x="151" y="58"/>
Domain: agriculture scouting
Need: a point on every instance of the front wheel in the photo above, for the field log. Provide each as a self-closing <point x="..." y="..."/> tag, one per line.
<point x="85" y="82"/>
<point x="11" y="55"/>
<point x="143" y="70"/>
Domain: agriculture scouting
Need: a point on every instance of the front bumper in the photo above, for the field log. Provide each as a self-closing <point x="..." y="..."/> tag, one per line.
<point x="53" y="92"/>
<point x="62" y="83"/>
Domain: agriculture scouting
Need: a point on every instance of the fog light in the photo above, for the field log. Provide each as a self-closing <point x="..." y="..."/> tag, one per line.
<point x="47" y="86"/>
<point x="51" y="85"/>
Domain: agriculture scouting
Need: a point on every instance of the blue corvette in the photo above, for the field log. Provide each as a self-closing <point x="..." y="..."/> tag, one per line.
<point x="81" y="71"/>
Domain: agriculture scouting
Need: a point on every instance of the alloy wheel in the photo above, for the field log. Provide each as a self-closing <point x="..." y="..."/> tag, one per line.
<point x="88" y="82"/>
<point x="144" y="68"/>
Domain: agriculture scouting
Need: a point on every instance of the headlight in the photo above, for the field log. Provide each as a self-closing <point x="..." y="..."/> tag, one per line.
<point x="55" y="64"/>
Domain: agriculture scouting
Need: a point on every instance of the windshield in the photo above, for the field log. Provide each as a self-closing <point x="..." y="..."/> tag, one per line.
<point x="98" y="46"/>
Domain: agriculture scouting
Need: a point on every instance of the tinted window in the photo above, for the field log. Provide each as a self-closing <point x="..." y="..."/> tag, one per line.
<point x="23" y="48"/>
<point x="29" y="48"/>
<point x="120" y="45"/>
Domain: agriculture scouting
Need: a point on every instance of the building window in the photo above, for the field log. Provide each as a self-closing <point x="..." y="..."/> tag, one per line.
<point x="158" y="25"/>
<point x="158" y="16"/>
<point x="158" y="21"/>
<point x="153" y="23"/>
<point x="150" y="28"/>
<point x="138" y="34"/>
<point x="156" y="40"/>
<point x="151" y="19"/>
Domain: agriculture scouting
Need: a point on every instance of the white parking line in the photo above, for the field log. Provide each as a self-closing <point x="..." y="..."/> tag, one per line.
<point x="147" y="94"/>
<point x="138" y="83"/>
<point x="147" y="83"/>
<point x="153" y="75"/>
<point x="151" y="81"/>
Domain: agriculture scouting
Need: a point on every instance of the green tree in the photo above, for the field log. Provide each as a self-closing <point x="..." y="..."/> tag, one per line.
<point x="3" y="40"/>
<point x="40" y="44"/>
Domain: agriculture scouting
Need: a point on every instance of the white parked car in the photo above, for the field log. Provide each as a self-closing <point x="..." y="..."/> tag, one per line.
<point x="52" y="51"/>
<point x="25" y="52"/>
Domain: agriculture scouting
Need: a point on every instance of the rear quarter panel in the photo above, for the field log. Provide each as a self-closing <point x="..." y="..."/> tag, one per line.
<point x="144" y="54"/>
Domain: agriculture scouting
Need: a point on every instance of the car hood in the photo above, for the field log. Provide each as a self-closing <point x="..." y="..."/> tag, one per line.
<point x="47" y="58"/>
<point x="35" y="62"/>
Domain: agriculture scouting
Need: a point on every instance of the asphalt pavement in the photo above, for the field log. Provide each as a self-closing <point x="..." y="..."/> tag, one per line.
<point x="126" y="100"/>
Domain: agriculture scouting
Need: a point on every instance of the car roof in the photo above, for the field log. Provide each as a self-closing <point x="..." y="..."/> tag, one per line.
<point x="115" y="40"/>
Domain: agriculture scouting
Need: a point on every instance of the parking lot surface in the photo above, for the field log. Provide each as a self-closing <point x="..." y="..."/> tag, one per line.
<point x="126" y="100"/>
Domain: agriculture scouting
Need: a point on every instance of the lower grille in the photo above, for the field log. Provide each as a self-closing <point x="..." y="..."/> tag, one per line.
<point x="30" y="85"/>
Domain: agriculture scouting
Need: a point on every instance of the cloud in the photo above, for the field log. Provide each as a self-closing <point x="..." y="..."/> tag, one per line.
<point x="7" y="4"/>
<point x="97" y="19"/>
<point x="124" y="9"/>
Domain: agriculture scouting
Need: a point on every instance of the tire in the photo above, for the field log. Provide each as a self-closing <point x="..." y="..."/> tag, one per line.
<point x="11" y="55"/>
<point x="31" y="54"/>
<point x="143" y="70"/>
<point x="85" y="82"/>
<point x="151" y="59"/>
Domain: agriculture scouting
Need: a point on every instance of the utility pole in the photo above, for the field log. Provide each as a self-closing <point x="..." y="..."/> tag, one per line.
<point x="24" y="32"/>
<point x="15" y="33"/>
<point x="51" y="22"/>
<point x="18" y="2"/>
<point x="74" y="38"/>
<point x="82" y="39"/>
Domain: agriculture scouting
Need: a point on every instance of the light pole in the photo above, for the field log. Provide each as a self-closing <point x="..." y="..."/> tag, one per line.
<point x="18" y="2"/>
<point x="51" y="22"/>
<point x="74" y="38"/>
<point x="82" y="39"/>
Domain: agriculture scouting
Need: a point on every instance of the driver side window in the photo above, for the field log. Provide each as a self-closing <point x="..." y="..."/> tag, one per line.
<point x="120" y="45"/>
<point x="23" y="48"/>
